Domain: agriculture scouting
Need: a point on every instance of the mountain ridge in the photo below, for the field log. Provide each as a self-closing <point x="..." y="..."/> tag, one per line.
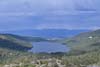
<point x="47" y="33"/>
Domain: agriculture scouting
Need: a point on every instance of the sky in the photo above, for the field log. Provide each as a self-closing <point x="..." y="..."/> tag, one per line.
<point x="49" y="14"/>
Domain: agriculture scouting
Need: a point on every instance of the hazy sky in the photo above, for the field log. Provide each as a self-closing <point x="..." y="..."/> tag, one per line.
<point x="49" y="14"/>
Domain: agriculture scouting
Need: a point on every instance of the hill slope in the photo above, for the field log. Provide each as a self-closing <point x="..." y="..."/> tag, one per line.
<point x="14" y="42"/>
<point x="88" y="41"/>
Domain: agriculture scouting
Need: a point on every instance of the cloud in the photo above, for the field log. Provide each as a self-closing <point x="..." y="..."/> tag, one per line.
<point x="41" y="14"/>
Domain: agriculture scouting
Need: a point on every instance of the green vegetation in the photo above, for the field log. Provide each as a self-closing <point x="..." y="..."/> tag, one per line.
<point x="82" y="60"/>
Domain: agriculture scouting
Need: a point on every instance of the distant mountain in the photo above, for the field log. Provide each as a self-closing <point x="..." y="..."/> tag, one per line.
<point x="48" y="33"/>
<point x="84" y="42"/>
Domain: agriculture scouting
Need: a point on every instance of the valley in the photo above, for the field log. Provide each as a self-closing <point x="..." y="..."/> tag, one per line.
<point x="84" y="51"/>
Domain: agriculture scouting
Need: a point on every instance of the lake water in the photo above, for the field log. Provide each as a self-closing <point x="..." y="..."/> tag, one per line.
<point x="48" y="47"/>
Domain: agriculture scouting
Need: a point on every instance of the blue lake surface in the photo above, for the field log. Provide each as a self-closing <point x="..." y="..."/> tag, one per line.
<point x="48" y="47"/>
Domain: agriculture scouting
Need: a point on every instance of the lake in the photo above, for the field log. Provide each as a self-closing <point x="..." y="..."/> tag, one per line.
<point x="48" y="47"/>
